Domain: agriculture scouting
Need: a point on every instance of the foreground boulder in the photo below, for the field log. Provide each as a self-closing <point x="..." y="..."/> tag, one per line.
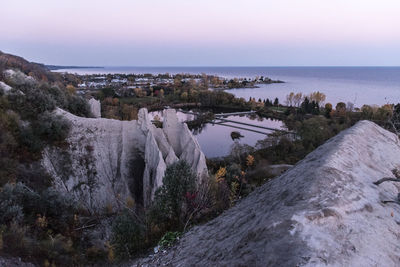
<point x="108" y="163"/>
<point x="323" y="211"/>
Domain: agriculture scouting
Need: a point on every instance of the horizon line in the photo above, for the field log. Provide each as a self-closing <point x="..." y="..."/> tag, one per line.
<point x="222" y="66"/>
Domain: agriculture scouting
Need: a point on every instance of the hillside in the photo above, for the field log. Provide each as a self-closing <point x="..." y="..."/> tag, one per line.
<point x="39" y="71"/>
<point x="324" y="211"/>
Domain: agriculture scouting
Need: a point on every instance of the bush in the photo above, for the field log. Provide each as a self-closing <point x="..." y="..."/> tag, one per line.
<point x="78" y="106"/>
<point x="52" y="128"/>
<point x="36" y="224"/>
<point x="29" y="141"/>
<point x="58" y="94"/>
<point x="169" y="239"/>
<point x="31" y="103"/>
<point x="21" y="204"/>
<point x="15" y="202"/>
<point x="127" y="236"/>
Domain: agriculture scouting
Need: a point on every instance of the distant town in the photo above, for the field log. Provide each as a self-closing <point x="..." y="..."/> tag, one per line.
<point x="126" y="85"/>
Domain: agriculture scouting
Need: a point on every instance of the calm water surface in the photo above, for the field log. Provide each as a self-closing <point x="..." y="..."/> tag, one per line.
<point x="215" y="140"/>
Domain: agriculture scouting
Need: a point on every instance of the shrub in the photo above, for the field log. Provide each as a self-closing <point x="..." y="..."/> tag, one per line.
<point x="50" y="127"/>
<point x="58" y="94"/>
<point x="37" y="224"/>
<point x="78" y="106"/>
<point x="28" y="139"/>
<point x="33" y="175"/>
<point x="20" y="203"/>
<point x="233" y="173"/>
<point x="15" y="202"/>
<point x="31" y="103"/>
<point x="169" y="239"/>
<point x="127" y="236"/>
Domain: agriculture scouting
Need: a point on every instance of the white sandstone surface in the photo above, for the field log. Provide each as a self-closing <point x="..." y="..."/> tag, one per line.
<point x="103" y="159"/>
<point x="5" y="87"/>
<point x="183" y="142"/>
<point x="324" y="211"/>
<point x="95" y="107"/>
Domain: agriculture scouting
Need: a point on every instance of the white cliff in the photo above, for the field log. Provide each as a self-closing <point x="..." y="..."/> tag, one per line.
<point x="107" y="162"/>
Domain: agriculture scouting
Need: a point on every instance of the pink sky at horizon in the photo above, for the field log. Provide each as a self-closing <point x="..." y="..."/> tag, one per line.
<point x="269" y="28"/>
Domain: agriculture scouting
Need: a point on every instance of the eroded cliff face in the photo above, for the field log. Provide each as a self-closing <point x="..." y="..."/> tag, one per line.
<point x="110" y="162"/>
<point x="324" y="211"/>
<point x="184" y="144"/>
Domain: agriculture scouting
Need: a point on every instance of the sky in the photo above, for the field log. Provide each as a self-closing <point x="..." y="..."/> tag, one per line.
<point x="203" y="32"/>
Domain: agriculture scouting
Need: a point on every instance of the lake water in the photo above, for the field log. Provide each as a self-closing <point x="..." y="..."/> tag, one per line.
<point x="360" y="85"/>
<point x="215" y="139"/>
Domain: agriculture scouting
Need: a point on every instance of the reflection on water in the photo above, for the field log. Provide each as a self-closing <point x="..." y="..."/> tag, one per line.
<point x="215" y="139"/>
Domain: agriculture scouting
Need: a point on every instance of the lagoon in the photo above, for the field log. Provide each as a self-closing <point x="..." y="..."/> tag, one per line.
<point x="215" y="139"/>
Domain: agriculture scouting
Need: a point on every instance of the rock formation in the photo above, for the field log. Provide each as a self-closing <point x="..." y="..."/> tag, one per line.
<point x="183" y="142"/>
<point x="4" y="87"/>
<point x="325" y="211"/>
<point x="95" y="107"/>
<point x="107" y="162"/>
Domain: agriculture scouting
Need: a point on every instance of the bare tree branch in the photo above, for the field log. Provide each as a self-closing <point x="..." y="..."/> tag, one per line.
<point x="386" y="179"/>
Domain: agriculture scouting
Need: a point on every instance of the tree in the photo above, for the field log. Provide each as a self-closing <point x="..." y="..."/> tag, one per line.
<point x="367" y="111"/>
<point x="384" y="113"/>
<point x="71" y="89"/>
<point x="318" y="97"/>
<point x="394" y="121"/>
<point x="139" y="92"/>
<point x="290" y="99"/>
<point x="297" y="99"/>
<point x="267" y="103"/>
<point x="328" y="110"/>
<point x="305" y="106"/>
<point x="184" y="96"/>
<point x="314" y="132"/>
<point x="170" y="203"/>
<point x="350" y="106"/>
<point x="341" y="109"/>
<point x="276" y="102"/>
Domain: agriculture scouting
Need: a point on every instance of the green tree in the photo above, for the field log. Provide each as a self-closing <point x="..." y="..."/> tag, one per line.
<point x="169" y="205"/>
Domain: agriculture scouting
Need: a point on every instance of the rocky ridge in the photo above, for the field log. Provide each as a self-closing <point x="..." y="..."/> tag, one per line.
<point x="325" y="211"/>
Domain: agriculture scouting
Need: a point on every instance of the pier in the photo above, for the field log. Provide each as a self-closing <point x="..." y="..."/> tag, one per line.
<point x="221" y="121"/>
